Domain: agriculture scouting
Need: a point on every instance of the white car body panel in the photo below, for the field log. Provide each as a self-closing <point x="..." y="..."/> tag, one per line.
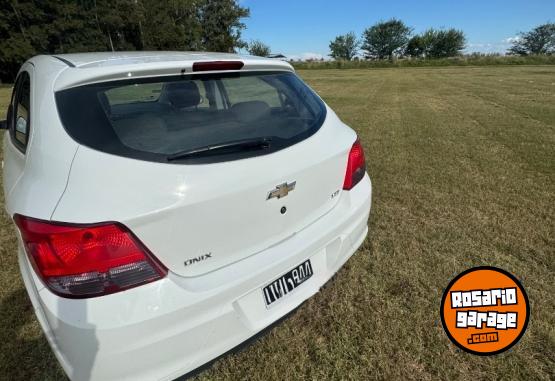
<point x="214" y="208"/>
<point x="167" y="328"/>
<point x="46" y="169"/>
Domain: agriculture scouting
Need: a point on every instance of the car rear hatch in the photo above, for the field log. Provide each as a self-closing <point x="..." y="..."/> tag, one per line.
<point x="144" y="162"/>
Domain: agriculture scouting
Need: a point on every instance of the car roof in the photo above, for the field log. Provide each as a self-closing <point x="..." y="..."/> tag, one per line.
<point x="97" y="59"/>
<point x="74" y="69"/>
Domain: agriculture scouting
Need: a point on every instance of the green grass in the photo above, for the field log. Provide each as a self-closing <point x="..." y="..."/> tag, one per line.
<point x="463" y="166"/>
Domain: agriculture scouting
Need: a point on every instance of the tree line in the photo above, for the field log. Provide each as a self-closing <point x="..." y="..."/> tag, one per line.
<point x="394" y="39"/>
<point x="30" y="27"/>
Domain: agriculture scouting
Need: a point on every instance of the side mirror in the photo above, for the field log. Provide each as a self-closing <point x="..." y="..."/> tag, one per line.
<point x="3" y="124"/>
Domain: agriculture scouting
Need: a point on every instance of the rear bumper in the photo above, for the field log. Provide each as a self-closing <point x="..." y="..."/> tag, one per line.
<point x="167" y="328"/>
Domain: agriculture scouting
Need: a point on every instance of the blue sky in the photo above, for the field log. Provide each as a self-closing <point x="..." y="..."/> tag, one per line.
<point x="304" y="28"/>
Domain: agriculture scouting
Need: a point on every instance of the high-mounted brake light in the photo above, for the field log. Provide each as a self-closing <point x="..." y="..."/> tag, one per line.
<point x="81" y="261"/>
<point x="217" y="65"/>
<point x="356" y="166"/>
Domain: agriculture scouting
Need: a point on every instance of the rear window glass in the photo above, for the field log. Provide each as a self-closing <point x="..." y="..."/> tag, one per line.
<point x="155" y="118"/>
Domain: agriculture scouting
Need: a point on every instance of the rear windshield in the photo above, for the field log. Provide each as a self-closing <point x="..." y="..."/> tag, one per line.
<point x="155" y="118"/>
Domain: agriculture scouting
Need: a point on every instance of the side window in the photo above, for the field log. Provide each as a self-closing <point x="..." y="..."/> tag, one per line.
<point x="204" y="102"/>
<point x="20" y="121"/>
<point x="251" y="88"/>
<point x="149" y="92"/>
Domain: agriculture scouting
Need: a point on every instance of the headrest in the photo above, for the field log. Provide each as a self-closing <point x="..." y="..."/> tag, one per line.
<point x="182" y="94"/>
<point x="250" y="111"/>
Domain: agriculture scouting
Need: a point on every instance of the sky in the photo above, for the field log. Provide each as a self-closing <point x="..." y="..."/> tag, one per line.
<point x="302" y="29"/>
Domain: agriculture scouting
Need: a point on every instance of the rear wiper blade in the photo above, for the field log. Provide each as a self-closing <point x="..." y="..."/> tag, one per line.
<point x="233" y="146"/>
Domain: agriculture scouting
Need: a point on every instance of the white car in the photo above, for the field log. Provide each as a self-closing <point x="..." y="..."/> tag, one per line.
<point x="171" y="205"/>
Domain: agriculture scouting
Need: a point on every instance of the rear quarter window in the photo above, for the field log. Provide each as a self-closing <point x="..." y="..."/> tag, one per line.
<point x="20" y="112"/>
<point x="151" y="119"/>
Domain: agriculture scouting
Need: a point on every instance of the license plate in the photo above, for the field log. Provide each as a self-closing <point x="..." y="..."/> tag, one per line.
<point x="287" y="283"/>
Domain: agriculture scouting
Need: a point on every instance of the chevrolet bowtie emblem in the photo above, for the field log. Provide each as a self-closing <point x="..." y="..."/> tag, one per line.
<point x="281" y="190"/>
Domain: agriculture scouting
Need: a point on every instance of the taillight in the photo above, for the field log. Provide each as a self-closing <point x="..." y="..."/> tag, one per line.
<point x="356" y="166"/>
<point x="81" y="261"/>
<point x="217" y="65"/>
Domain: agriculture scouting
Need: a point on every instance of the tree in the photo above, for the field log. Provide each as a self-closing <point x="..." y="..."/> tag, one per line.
<point x="416" y="47"/>
<point x="30" y="27"/>
<point x="447" y="43"/>
<point x="119" y="21"/>
<point x="258" y="48"/>
<point x="344" y="47"/>
<point x="221" y="25"/>
<point x="385" y="39"/>
<point x="540" y="40"/>
<point x="435" y="43"/>
<point x="171" y="25"/>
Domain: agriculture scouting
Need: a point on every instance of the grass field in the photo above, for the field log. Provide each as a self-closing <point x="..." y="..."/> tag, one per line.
<point x="463" y="166"/>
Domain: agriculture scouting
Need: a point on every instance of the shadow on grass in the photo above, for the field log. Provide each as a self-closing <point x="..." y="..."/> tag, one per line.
<point x="25" y="353"/>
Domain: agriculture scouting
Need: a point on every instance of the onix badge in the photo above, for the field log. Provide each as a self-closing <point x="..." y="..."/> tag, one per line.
<point x="281" y="190"/>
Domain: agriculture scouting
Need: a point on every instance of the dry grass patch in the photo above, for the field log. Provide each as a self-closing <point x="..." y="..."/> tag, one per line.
<point x="463" y="166"/>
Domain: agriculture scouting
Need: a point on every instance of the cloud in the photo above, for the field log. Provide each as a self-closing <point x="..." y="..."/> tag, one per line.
<point x="480" y="47"/>
<point x="510" y="40"/>
<point x="306" y="56"/>
<point x="495" y="47"/>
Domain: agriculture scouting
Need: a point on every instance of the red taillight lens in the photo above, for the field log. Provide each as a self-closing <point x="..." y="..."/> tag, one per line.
<point x="217" y="65"/>
<point x="80" y="261"/>
<point x="356" y="166"/>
